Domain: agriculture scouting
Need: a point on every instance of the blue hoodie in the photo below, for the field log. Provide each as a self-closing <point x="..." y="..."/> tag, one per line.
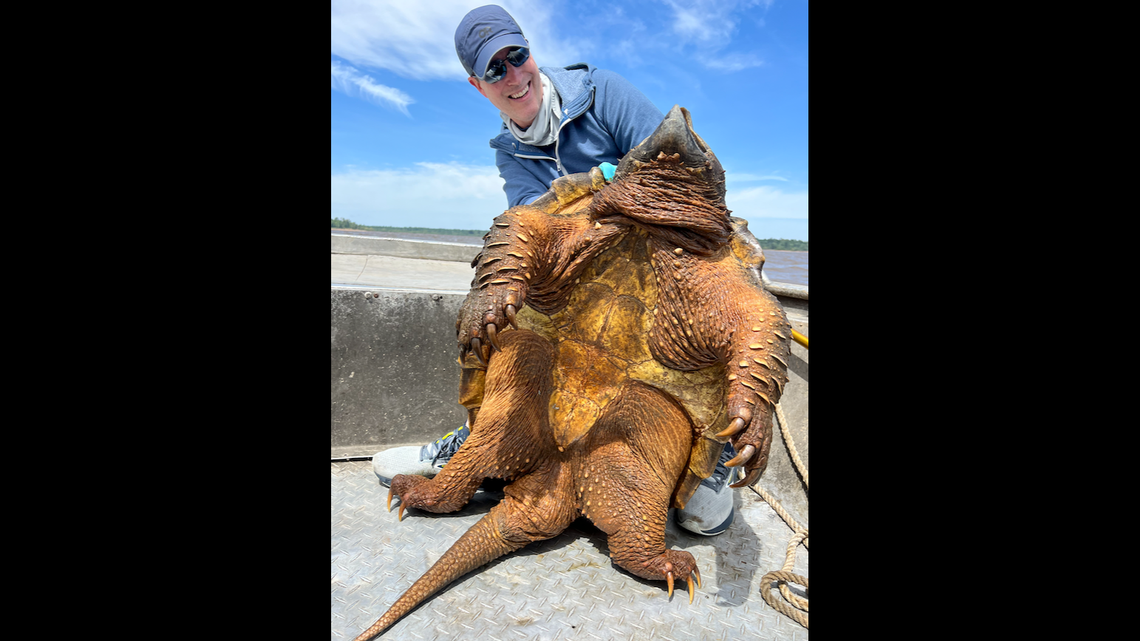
<point x="603" y="117"/>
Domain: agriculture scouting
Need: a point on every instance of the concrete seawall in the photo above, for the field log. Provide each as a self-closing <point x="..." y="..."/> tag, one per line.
<point x="395" y="378"/>
<point x="404" y="248"/>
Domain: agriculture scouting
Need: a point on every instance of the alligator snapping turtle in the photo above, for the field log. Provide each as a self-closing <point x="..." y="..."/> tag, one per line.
<point x="642" y="340"/>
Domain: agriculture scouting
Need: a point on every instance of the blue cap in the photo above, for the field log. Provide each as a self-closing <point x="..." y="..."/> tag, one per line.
<point x="484" y="32"/>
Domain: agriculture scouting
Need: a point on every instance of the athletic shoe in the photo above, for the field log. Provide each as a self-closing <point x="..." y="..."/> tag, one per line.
<point x="425" y="461"/>
<point x="709" y="512"/>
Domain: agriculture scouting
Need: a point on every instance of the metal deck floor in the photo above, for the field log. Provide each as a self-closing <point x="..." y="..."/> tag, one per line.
<point x="563" y="588"/>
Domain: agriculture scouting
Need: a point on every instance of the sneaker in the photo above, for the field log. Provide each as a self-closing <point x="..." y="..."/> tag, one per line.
<point x="425" y="461"/>
<point x="709" y="512"/>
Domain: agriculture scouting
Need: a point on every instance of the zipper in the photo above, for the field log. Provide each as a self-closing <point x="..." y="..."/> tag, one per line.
<point x="562" y="123"/>
<point x="558" y="139"/>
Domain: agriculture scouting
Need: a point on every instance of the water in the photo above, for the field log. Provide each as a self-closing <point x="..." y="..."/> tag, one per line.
<point x="781" y="266"/>
<point x="786" y="266"/>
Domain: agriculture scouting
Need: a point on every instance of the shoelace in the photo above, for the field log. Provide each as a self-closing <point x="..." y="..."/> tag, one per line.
<point x="447" y="446"/>
<point x="722" y="473"/>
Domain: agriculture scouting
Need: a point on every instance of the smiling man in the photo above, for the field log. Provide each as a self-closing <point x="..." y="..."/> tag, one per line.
<point x="556" y="121"/>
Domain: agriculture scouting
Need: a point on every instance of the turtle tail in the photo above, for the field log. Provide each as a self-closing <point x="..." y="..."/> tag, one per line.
<point x="481" y="544"/>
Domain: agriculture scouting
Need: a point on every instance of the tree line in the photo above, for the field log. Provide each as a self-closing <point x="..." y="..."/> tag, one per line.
<point x="344" y="223"/>
<point x="783" y="244"/>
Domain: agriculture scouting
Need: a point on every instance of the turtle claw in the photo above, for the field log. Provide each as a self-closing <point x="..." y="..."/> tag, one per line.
<point x="737" y="426"/>
<point x="510" y="312"/>
<point x="477" y="347"/>
<point x="400" y="514"/>
<point x="688" y="580"/>
<point x="493" y="336"/>
<point x="390" y="500"/>
<point x="748" y="480"/>
<point x="745" y="454"/>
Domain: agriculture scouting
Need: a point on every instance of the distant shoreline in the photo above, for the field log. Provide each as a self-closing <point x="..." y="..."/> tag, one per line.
<point x="466" y="240"/>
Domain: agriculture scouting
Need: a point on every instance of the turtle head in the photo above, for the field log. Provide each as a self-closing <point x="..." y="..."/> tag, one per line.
<point x="675" y="135"/>
<point x="672" y="186"/>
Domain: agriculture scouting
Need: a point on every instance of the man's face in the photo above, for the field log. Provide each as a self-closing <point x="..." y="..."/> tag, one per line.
<point x="518" y="94"/>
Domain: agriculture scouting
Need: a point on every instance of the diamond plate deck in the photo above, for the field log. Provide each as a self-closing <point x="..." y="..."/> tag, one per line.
<point x="563" y="588"/>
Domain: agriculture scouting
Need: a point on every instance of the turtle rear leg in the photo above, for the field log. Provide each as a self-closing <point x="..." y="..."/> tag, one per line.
<point x="635" y="456"/>
<point x="509" y="438"/>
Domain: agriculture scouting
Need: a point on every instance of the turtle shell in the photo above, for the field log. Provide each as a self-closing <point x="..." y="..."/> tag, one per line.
<point x="601" y="337"/>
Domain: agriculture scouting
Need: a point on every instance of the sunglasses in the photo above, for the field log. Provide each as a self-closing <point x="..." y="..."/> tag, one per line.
<point x="497" y="69"/>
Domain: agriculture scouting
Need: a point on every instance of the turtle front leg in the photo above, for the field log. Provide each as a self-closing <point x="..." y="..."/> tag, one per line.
<point x="502" y="274"/>
<point x="707" y="316"/>
<point x="758" y="352"/>
<point x="528" y="257"/>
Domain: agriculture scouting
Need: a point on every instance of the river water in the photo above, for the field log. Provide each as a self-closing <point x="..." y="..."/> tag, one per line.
<point x="780" y="266"/>
<point x="786" y="266"/>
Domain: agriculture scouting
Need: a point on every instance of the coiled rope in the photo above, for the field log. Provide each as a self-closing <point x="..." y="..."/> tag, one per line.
<point x="795" y="607"/>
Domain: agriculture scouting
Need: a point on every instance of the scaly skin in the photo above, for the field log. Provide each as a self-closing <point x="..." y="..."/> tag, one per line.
<point x="528" y="257"/>
<point x="639" y="449"/>
<point x="602" y="476"/>
<point x="711" y="308"/>
<point x="714" y="317"/>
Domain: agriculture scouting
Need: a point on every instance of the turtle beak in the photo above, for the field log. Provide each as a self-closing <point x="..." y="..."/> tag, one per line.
<point x="675" y="135"/>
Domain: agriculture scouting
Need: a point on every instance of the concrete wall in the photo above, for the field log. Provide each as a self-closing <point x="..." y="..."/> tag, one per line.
<point x="403" y="248"/>
<point x="395" y="379"/>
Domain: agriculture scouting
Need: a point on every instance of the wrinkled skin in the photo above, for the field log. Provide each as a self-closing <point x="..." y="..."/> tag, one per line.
<point x="614" y="336"/>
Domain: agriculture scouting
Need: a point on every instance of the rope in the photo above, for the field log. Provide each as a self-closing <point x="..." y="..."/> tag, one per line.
<point x="792" y="523"/>
<point x="800" y="467"/>
<point x="779" y="606"/>
<point x="789" y="562"/>
<point x="785" y="575"/>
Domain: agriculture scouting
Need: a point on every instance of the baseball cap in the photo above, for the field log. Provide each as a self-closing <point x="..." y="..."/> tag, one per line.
<point x="482" y="33"/>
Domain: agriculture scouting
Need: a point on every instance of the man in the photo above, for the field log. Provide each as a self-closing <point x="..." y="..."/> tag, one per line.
<point x="556" y="121"/>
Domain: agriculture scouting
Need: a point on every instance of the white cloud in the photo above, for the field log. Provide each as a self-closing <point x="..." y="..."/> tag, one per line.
<point x="708" y="20"/>
<point x="348" y="80"/>
<point x="459" y="196"/>
<point x="731" y="63"/>
<point x="438" y="195"/>
<point x="766" y="202"/>
<point x="737" y="177"/>
<point x="710" y="24"/>
<point x="417" y="39"/>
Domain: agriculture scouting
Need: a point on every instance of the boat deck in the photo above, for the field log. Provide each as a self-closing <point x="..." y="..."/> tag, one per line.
<point x="563" y="588"/>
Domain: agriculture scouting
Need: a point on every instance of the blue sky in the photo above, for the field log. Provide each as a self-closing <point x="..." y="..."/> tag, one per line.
<point x="409" y="134"/>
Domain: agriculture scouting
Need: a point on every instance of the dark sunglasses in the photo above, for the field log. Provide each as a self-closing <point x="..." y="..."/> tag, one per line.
<point x="498" y="68"/>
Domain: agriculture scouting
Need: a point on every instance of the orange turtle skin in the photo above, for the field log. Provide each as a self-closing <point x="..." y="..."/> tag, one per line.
<point x="614" y="337"/>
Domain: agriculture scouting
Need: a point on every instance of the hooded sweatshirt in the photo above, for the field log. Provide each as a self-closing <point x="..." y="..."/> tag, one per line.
<point x="603" y="116"/>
